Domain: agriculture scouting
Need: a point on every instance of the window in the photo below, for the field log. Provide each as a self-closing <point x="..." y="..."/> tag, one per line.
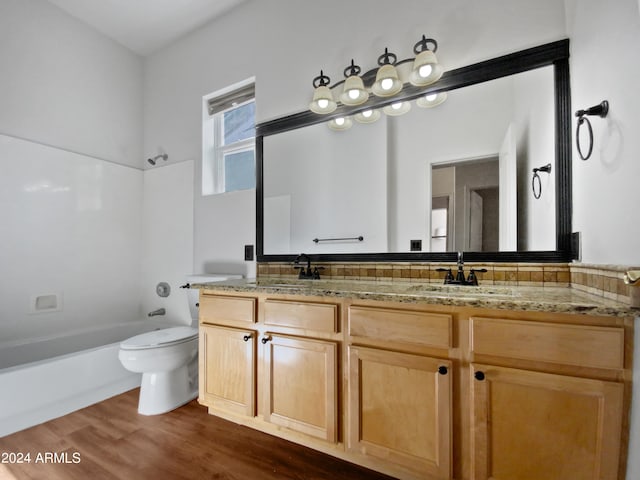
<point x="229" y="142"/>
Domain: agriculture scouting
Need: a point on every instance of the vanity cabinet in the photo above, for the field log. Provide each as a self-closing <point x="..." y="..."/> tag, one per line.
<point x="227" y="369"/>
<point x="400" y="403"/>
<point x="535" y="423"/>
<point x="301" y="385"/>
<point x="423" y="391"/>
<point x="271" y="363"/>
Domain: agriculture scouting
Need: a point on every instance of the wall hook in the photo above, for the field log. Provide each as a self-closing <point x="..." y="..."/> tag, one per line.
<point x="537" y="192"/>
<point x="601" y="110"/>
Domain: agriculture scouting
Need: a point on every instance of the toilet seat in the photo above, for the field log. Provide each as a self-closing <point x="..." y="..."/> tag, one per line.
<point x="160" y="338"/>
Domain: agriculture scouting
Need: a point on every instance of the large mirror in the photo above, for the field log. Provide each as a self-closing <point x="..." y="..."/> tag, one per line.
<point x="456" y="177"/>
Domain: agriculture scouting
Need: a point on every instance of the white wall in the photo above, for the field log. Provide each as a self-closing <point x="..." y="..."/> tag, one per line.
<point x="63" y="84"/>
<point x="604" y="66"/>
<point x="337" y="185"/>
<point x="534" y="127"/>
<point x="280" y="44"/>
<point x="167" y="238"/>
<point x="70" y="226"/>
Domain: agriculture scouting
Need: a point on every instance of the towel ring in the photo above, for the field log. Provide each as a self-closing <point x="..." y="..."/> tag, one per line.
<point x="602" y="109"/>
<point x="581" y="121"/>
<point x="537" y="192"/>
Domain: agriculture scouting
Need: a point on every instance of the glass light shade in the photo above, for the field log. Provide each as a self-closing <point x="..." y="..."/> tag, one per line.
<point x="323" y="101"/>
<point x="387" y="82"/>
<point x="368" y="116"/>
<point x="398" y="108"/>
<point x="354" y="92"/>
<point x="340" y="123"/>
<point x="431" y="99"/>
<point x="426" y="69"/>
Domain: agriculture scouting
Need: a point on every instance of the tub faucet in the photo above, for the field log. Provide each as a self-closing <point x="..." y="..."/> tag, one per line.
<point x="160" y="311"/>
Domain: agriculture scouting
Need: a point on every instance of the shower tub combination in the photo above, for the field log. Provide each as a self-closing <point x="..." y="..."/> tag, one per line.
<point x="48" y="378"/>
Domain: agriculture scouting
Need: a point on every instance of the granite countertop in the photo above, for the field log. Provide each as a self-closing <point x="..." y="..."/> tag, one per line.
<point x="538" y="299"/>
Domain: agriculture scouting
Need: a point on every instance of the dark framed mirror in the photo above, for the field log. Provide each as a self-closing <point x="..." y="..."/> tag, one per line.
<point x="308" y="177"/>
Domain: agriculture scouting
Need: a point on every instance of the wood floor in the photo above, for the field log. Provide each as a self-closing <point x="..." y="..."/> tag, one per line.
<point x="111" y="441"/>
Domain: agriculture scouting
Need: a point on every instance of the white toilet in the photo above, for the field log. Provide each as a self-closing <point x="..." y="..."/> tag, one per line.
<point x="167" y="359"/>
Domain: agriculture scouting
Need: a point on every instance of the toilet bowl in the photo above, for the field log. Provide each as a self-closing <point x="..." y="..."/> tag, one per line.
<point x="167" y="358"/>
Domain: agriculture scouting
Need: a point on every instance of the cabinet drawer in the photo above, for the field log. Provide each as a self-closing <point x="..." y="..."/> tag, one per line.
<point x="404" y="326"/>
<point x="227" y="309"/>
<point x="579" y="345"/>
<point x="320" y="317"/>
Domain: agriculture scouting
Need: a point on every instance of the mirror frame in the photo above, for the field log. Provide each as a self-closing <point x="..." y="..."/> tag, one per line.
<point x="555" y="53"/>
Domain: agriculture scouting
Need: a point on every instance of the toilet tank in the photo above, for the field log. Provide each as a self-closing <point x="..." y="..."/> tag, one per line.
<point x="193" y="293"/>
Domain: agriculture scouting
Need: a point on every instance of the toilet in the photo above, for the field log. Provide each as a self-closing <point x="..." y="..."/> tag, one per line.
<point x="167" y="358"/>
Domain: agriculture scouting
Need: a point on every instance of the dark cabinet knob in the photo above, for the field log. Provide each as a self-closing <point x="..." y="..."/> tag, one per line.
<point x="264" y="340"/>
<point x="246" y="338"/>
<point x="479" y="375"/>
<point x="198" y="305"/>
<point x="442" y="370"/>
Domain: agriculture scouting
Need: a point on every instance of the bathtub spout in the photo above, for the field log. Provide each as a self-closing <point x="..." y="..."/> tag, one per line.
<point x="160" y="311"/>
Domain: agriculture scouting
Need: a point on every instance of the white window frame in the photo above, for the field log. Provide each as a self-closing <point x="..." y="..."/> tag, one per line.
<point x="213" y="151"/>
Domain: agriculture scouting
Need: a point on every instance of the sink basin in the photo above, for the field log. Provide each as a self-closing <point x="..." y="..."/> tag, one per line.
<point x="464" y="289"/>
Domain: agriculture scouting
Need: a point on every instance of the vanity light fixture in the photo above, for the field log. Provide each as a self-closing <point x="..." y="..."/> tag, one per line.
<point x="431" y="100"/>
<point x="323" y="101"/>
<point x="340" y="123"/>
<point x="367" y="116"/>
<point x="383" y="81"/>
<point x="354" y="92"/>
<point x="396" y="109"/>
<point x="387" y="82"/>
<point x="426" y="68"/>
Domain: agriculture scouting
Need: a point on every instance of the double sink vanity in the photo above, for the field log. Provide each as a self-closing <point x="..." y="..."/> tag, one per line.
<point x="405" y="376"/>
<point x="422" y="380"/>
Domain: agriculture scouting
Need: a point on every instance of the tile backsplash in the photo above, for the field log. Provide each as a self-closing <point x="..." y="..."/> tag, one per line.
<point x="601" y="280"/>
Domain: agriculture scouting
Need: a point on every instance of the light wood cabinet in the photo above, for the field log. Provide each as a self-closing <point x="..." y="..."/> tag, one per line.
<point x="530" y="425"/>
<point x="301" y="385"/>
<point x="424" y="392"/>
<point x="227" y="367"/>
<point x="274" y="371"/>
<point x="559" y="415"/>
<point x="400" y="409"/>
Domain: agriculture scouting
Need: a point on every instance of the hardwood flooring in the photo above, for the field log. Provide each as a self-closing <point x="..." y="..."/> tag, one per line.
<point x="109" y="440"/>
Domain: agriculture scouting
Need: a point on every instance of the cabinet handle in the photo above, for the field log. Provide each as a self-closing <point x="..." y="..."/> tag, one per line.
<point x="442" y="370"/>
<point x="246" y="338"/>
<point x="479" y="375"/>
<point x="264" y="340"/>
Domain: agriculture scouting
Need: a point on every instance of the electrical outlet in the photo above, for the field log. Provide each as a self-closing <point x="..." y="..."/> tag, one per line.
<point x="415" y="245"/>
<point x="576" y="247"/>
<point x="248" y="253"/>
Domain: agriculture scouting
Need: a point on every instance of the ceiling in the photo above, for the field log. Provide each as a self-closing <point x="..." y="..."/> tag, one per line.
<point x="145" y="26"/>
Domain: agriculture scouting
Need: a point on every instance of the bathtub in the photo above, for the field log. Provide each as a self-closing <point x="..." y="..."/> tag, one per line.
<point x="48" y="378"/>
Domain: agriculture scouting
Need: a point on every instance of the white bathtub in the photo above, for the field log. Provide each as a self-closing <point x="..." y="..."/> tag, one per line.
<point x="48" y="378"/>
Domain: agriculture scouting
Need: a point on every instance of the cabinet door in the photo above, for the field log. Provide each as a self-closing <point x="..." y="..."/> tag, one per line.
<point x="227" y="369"/>
<point x="400" y="409"/>
<point x="301" y="385"/>
<point x="531" y="426"/>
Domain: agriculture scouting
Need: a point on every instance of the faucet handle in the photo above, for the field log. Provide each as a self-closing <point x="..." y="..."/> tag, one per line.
<point x="316" y="272"/>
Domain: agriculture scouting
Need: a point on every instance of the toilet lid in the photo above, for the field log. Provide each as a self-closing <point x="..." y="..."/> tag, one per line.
<point x="157" y="338"/>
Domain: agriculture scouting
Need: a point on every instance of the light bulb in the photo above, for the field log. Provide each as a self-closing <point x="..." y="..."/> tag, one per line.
<point x="367" y="113"/>
<point x="396" y="106"/>
<point x="323" y="103"/>
<point x="340" y="121"/>
<point x="431" y="97"/>
<point x="354" y="94"/>
<point x="386" y="84"/>
<point x="425" y="70"/>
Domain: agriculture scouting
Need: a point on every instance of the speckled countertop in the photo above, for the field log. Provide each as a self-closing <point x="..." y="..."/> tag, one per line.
<point x="538" y="299"/>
